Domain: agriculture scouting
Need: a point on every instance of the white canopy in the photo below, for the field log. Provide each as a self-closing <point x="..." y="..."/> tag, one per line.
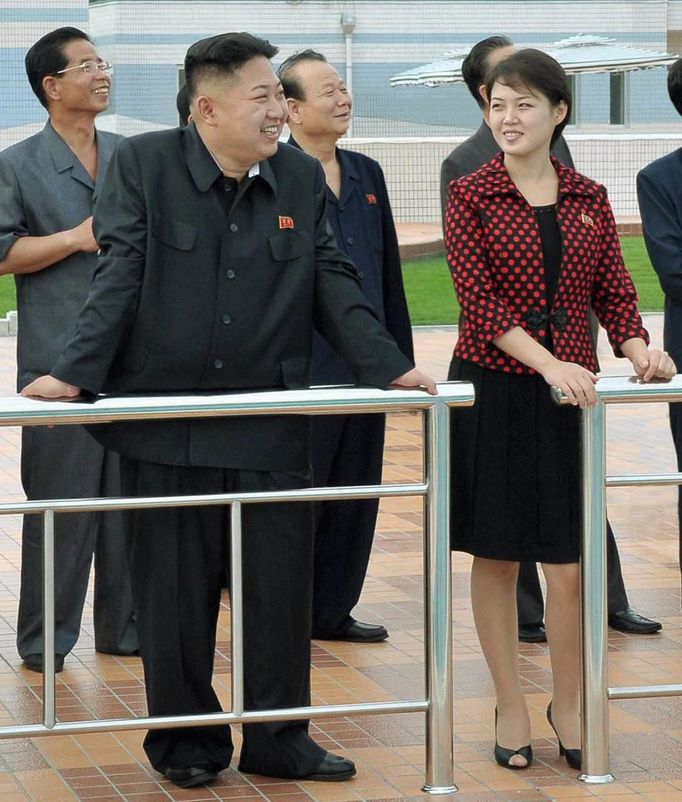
<point x="577" y="54"/>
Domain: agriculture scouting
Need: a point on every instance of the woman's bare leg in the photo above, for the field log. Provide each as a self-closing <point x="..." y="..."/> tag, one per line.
<point x="562" y="619"/>
<point x="493" y="599"/>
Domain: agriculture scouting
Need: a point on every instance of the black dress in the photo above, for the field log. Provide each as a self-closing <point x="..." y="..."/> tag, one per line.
<point x="515" y="488"/>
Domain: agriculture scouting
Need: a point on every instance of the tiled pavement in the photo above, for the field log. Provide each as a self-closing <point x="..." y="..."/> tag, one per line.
<point x="389" y="750"/>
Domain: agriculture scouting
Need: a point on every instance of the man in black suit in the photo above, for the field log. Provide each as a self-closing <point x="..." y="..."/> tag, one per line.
<point x="659" y="190"/>
<point x="216" y="260"/>
<point x="464" y="159"/>
<point x="346" y="449"/>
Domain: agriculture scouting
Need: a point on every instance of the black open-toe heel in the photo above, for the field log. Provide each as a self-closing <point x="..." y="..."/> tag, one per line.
<point x="574" y="757"/>
<point x="503" y="756"/>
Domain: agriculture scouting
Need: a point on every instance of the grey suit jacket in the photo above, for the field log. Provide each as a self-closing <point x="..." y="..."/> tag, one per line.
<point x="44" y="189"/>
<point x="477" y="151"/>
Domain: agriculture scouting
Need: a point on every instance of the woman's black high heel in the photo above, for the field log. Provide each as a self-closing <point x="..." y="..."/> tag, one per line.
<point x="503" y="756"/>
<point x="574" y="757"/>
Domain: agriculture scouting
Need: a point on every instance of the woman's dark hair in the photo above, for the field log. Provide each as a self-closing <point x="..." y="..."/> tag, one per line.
<point x="223" y="55"/>
<point x="675" y="85"/>
<point x="46" y="57"/>
<point x="538" y="73"/>
<point x="475" y="64"/>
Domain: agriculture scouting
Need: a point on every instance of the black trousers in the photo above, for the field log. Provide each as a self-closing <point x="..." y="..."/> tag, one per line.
<point x="346" y="450"/>
<point x="178" y="559"/>
<point x="675" y="412"/>
<point x="66" y="462"/>
<point x="531" y="608"/>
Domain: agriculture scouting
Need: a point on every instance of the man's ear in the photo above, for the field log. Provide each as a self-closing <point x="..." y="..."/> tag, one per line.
<point x="295" y="110"/>
<point x="203" y="110"/>
<point x="51" y="87"/>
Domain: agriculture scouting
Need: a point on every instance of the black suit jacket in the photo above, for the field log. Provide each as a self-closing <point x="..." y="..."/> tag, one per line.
<point x="191" y="296"/>
<point x="478" y="150"/>
<point x="659" y="191"/>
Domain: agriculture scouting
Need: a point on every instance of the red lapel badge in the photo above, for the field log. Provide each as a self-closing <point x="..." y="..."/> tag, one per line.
<point x="371" y="199"/>
<point x="587" y="219"/>
<point x="286" y="222"/>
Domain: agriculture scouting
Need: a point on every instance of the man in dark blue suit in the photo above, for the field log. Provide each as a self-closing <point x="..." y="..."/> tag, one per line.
<point x="659" y="191"/>
<point x="346" y="449"/>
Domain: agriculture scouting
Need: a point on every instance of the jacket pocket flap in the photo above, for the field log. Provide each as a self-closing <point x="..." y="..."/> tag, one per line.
<point x="290" y="245"/>
<point x="170" y="232"/>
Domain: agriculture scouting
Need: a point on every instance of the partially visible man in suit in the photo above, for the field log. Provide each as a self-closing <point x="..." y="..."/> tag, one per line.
<point x="48" y="184"/>
<point x="347" y="449"/>
<point x="216" y="261"/>
<point x="659" y="190"/>
<point x="464" y="159"/>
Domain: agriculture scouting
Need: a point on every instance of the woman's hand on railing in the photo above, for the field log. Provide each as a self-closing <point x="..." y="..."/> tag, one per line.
<point x="417" y="380"/>
<point x="576" y="382"/>
<point x="47" y="388"/>
<point x="654" y="364"/>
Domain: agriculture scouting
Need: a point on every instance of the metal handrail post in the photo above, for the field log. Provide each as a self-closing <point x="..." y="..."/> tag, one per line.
<point x="236" y="608"/>
<point x="49" y="676"/>
<point x="595" y="701"/>
<point x="438" y="602"/>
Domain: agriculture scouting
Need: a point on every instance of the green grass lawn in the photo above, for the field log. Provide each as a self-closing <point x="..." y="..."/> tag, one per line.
<point x="431" y="297"/>
<point x="8" y="296"/>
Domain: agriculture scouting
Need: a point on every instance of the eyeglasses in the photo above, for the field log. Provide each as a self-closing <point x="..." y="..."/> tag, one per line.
<point x="89" y="67"/>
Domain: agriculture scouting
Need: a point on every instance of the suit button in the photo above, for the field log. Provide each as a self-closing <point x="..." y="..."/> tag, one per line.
<point x="218" y="364"/>
<point x="227" y="319"/>
<point x="230" y="274"/>
<point x="234" y="227"/>
<point x="350" y="240"/>
<point x="361" y="274"/>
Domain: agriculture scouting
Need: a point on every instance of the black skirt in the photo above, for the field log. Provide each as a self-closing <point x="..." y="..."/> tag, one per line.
<point x="515" y="487"/>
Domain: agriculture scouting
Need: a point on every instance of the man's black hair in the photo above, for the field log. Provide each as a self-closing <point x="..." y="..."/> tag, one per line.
<point x="537" y="72"/>
<point x="182" y="105"/>
<point x="223" y="55"/>
<point x="291" y="83"/>
<point x="675" y="85"/>
<point x="475" y="65"/>
<point x="46" y="57"/>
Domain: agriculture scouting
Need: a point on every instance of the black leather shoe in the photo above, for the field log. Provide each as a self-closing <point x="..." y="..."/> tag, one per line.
<point x="629" y="620"/>
<point x="533" y="633"/>
<point x="34" y="662"/>
<point x="332" y="769"/>
<point x="357" y="632"/>
<point x="191" y="776"/>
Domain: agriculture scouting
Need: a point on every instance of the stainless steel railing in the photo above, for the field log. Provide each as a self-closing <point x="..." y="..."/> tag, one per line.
<point x="437" y="703"/>
<point x="594" y="616"/>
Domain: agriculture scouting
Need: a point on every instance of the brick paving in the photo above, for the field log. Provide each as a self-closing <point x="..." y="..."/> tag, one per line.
<point x="389" y="750"/>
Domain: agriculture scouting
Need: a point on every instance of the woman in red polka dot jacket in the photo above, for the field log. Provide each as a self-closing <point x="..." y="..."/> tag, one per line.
<point x="531" y="245"/>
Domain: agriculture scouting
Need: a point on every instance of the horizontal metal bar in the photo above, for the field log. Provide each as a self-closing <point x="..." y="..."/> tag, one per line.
<point x="137" y="503"/>
<point x="18" y="411"/>
<point x="644" y="479"/>
<point x="631" y="390"/>
<point x="206" y="719"/>
<point x="644" y="691"/>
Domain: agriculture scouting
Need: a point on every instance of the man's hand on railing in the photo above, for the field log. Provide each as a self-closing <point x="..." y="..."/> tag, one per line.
<point x="47" y="388"/>
<point x="416" y="379"/>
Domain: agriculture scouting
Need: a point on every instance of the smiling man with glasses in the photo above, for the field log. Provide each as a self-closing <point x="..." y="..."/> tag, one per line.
<point x="48" y="184"/>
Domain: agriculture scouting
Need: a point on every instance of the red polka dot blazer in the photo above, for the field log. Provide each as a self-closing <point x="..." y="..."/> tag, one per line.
<point x="494" y="252"/>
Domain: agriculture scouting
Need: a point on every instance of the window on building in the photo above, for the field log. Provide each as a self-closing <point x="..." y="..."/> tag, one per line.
<point x="617" y="98"/>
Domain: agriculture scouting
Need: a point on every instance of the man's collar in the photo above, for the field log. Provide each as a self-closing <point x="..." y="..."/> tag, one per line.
<point x="204" y="168"/>
<point x="347" y="165"/>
